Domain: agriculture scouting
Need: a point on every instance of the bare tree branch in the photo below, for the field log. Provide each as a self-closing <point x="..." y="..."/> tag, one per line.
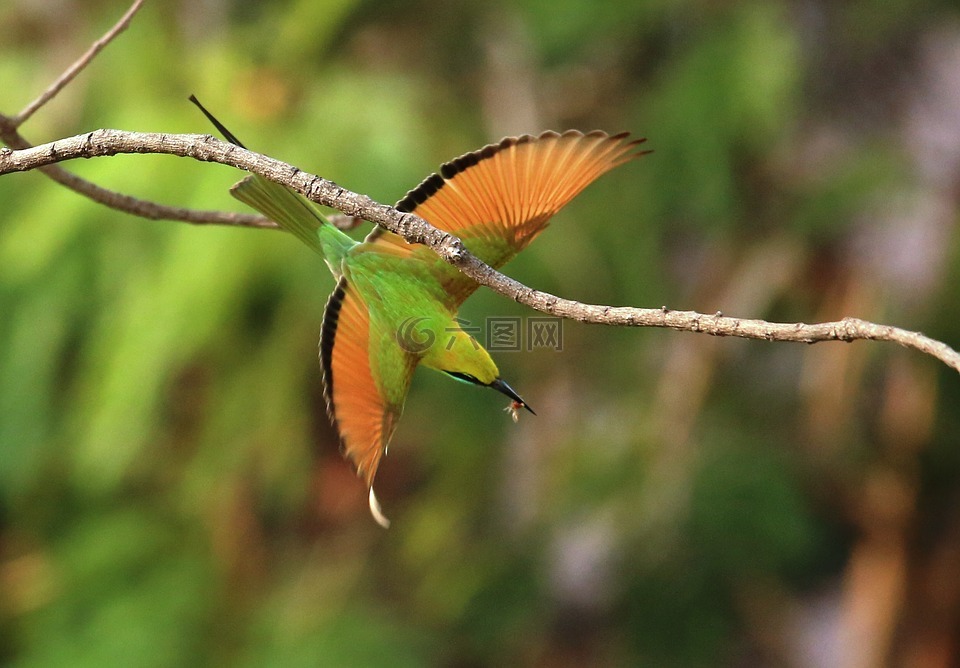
<point x="416" y="230"/>
<point x="145" y="208"/>
<point x="126" y="203"/>
<point x="78" y="65"/>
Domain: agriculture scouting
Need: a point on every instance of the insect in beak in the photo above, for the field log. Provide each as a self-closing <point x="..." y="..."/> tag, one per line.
<point x="517" y="401"/>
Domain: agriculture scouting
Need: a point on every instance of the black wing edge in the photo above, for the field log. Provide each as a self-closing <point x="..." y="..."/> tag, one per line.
<point x="328" y="333"/>
<point x="433" y="183"/>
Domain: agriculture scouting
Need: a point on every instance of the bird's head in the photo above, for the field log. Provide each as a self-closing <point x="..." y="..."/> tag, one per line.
<point x="460" y="356"/>
<point x="499" y="385"/>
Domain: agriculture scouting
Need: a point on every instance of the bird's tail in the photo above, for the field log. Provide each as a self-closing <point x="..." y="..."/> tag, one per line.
<point x="283" y="206"/>
<point x="288" y="209"/>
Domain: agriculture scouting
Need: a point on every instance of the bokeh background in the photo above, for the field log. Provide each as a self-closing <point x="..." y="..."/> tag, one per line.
<point x="172" y="495"/>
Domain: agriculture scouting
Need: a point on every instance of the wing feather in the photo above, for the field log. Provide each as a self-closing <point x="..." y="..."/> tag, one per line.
<point x="356" y="405"/>
<point x="499" y="198"/>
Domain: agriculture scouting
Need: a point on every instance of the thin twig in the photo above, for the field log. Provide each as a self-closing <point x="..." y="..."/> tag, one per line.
<point x="416" y="230"/>
<point x="9" y="134"/>
<point x="78" y="65"/>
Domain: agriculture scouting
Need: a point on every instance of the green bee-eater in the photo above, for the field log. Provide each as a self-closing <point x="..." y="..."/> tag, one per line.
<point x="395" y="304"/>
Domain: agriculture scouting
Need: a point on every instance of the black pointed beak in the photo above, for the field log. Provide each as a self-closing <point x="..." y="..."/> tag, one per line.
<point x="501" y="386"/>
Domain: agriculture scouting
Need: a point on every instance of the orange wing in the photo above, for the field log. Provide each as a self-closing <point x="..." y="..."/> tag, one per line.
<point x="499" y="198"/>
<point x="364" y="419"/>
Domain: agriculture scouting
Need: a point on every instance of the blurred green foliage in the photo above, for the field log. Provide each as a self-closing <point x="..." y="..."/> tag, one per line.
<point x="172" y="495"/>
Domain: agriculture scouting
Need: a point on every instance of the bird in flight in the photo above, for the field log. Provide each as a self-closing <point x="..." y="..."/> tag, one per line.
<point x="395" y="304"/>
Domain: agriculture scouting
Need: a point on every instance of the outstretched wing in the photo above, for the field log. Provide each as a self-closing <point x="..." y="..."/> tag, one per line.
<point x="499" y="198"/>
<point x="356" y="357"/>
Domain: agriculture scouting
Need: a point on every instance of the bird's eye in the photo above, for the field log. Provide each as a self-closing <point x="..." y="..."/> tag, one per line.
<point x="465" y="377"/>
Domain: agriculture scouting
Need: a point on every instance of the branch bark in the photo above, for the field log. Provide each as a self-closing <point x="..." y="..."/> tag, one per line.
<point x="416" y="230"/>
<point x="142" y="208"/>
